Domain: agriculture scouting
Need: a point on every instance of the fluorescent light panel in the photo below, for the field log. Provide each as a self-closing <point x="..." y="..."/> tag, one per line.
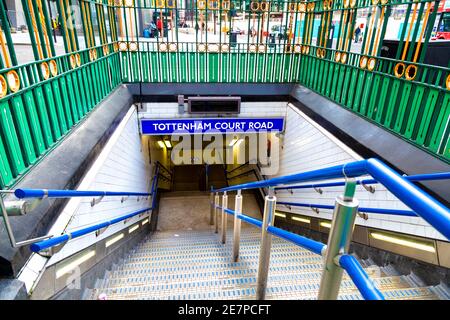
<point x="304" y="220"/>
<point x="238" y="142"/>
<point x="233" y="142"/>
<point x="145" y="221"/>
<point x="281" y="215"/>
<point x="113" y="240"/>
<point x="168" y="144"/>
<point x="133" y="228"/>
<point x="161" y="144"/>
<point x="75" y="263"/>
<point x="325" y="225"/>
<point x="403" y="242"/>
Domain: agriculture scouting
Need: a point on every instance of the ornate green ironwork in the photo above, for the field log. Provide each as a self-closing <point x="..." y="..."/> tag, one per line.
<point x="311" y="43"/>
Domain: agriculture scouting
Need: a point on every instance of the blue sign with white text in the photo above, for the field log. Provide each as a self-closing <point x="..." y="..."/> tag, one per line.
<point x="201" y="126"/>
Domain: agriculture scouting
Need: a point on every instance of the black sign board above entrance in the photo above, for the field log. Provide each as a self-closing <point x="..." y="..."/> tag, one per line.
<point x="216" y="105"/>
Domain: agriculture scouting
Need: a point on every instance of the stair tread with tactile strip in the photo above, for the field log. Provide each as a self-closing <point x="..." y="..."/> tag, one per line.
<point x="195" y="265"/>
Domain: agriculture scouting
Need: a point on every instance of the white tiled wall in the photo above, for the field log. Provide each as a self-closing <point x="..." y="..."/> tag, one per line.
<point x="307" y="146"/>
<point x="123" y="165"/>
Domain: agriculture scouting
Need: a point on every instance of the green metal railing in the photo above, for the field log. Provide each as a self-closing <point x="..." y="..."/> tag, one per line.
<point x="286" y="41"/>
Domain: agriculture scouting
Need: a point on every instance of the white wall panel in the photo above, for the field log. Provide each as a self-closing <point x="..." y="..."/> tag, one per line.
<point x="307" y="146"/>
<point x="123" y="165"/>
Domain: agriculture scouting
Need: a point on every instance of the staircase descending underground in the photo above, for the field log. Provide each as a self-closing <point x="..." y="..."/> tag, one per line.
<point x="195" y="265"/>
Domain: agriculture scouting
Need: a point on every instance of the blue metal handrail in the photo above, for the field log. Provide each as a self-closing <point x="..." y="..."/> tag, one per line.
<point x="420" y="202"/>
<point x="407" y="213"/>
<point x="54" y="241"/>
<point x="39" y="246"/>
<point x="417" y="177"/>
<point x="42" y="193"/>
<point x="360" y="278"/>
<point x="312" y="245"/>
<point x="358" y="275"/>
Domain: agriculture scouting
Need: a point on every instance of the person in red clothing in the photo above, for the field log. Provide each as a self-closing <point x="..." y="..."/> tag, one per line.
<point x="159" y="24"/>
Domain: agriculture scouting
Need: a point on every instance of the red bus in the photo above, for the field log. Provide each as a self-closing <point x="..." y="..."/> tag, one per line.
<point x="442" y="29"/>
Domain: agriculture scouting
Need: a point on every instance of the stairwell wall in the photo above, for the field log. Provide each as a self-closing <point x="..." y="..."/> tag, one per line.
<point x="307" y="146"/>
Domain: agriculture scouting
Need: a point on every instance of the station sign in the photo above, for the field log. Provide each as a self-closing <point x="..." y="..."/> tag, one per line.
<point x="212" y="125"/>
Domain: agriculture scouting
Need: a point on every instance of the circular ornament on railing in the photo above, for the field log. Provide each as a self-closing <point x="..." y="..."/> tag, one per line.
<point x="224" y="48"/>
<point x="344" y="57"/>
<point x="375" y="2"/>
<point x="371" y="64"/>
<point x="411" y="72"/>
<point x="399" y="69"/>
<point x="225" y="4"/>
<point x="302" y="7"/>
<point x="353" y="3"/>
<point x="213" y="5"/>
<point x="447" y="82"/>
<point x="53" y="68"/>
<point x="78" y="59"/>
<point x="318" y="52"/>
<point x="201" y="4"/>
<point x="129" y="3"/>
<point x="325" y="5"/>
<point x="91" y="55"/>
<point x="384" y="2"/>
<point x="45" y="69"/>
<point x="133" y="46"/>
<point x="323" y="53"/>
<point x="116" y="46"/>
<point x="262" y="48"/>
<point x="172" y="47"/>
<point x="3" y="86"/>
<point x="252" y="48"/>
<point x="162" y="47"/>
<point x="213" y="47"/>
<point x="363" y="62"/>
<point x="123" y="46"/>
<point x="330" y="4"/>
<point x="303" y="49"/>
<point x="311" y="6"/>
<point x="337" y="56"/>
<point x="254" y="6"/>
<point x="298" y="48"/>
<point x="346" y="4"/>
<point x="105" y="50"/>
<point x="307" y="50"/>
<point x="73" y="61"/>
<point x="160" y="4"/>
<point x="292" y="6"/>
<point x="201" y="47"/>
<point x="13" y="80"/>
<point x="265" y="6"/>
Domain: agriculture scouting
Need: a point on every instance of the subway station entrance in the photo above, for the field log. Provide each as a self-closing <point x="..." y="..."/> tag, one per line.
<point x="224" y="149"/>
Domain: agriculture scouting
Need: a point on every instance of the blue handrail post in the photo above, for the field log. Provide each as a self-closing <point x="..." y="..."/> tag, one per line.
<point x="237" y="225"/>
<point x="344" y="215"/>
<point x="266" y="243"/>
<point x="224" y="217"/>
<point x="216" y="211"/>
